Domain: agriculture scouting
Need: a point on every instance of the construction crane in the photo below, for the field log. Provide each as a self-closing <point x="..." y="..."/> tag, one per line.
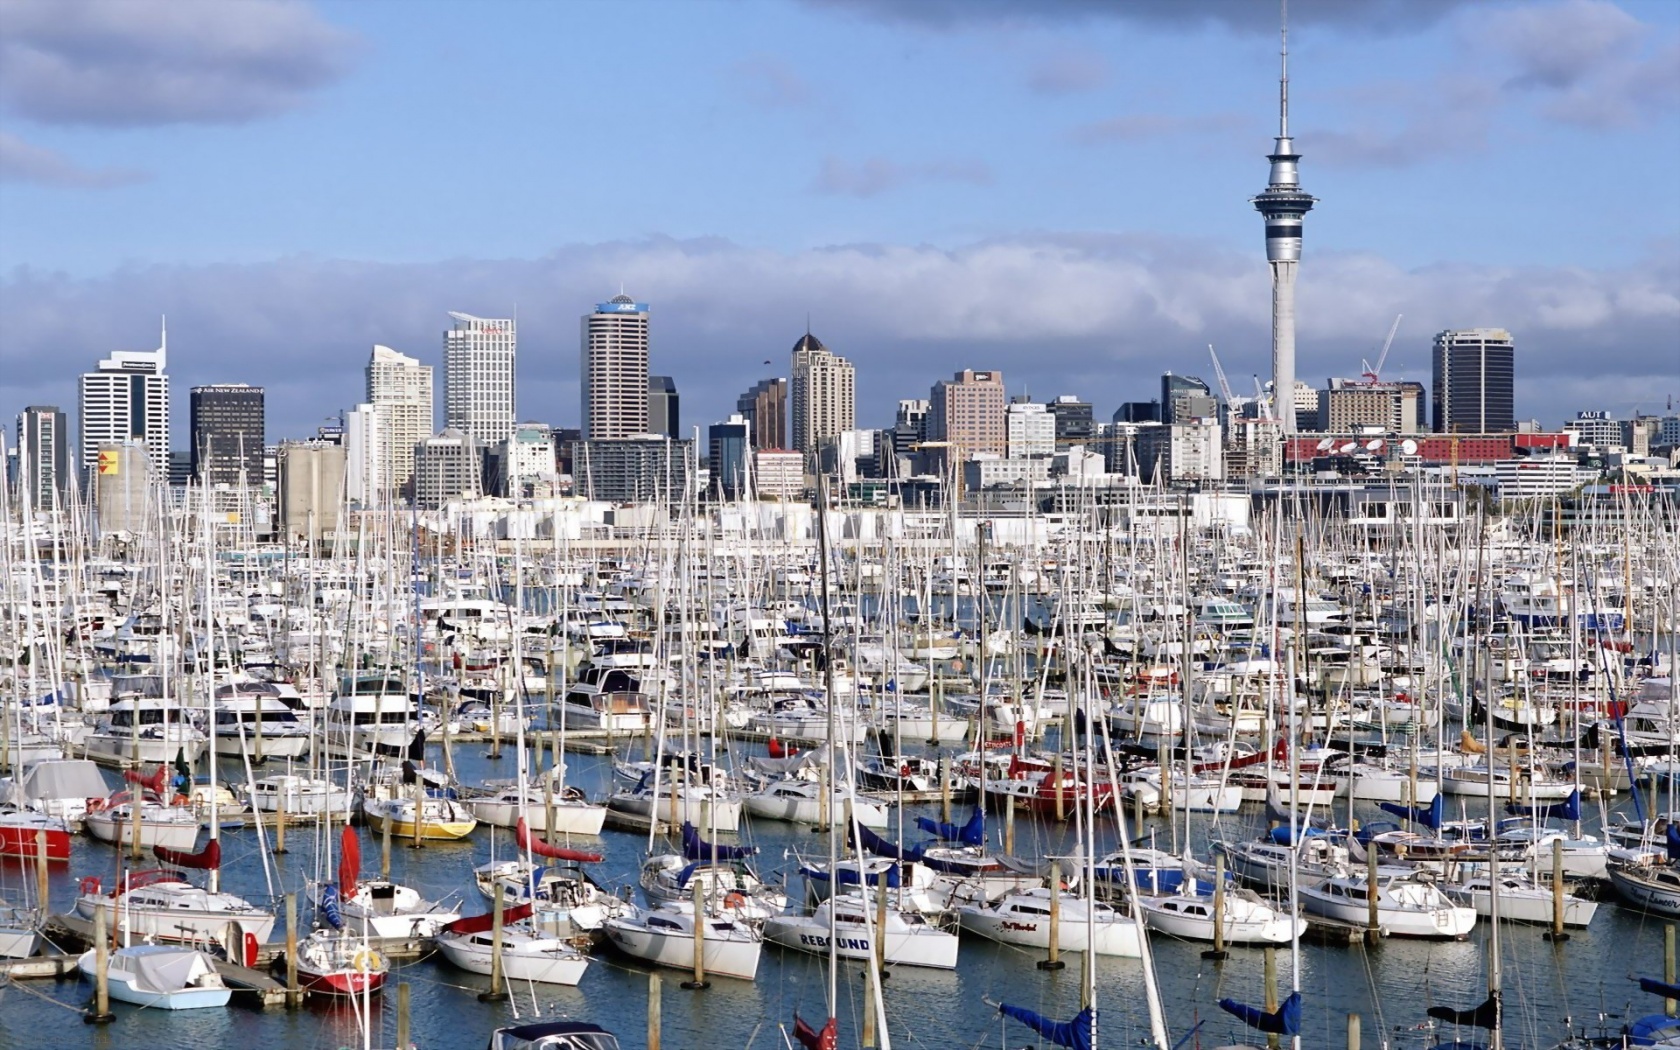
<point x="1224" y="384"/>
<point x="1261" y="400"/>
<point x="1373" y="372"/>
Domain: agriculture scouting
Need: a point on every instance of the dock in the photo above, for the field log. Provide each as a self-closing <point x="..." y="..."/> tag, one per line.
<point x="1321" y="930"/>
<point x="247" y="982"/>
<point x="54" y="963"/>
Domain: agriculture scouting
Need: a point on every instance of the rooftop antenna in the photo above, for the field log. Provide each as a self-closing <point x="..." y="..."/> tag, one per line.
<point x="1283" y="81"/>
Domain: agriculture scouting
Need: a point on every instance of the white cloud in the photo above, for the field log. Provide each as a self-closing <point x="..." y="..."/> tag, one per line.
<point x="126" y="63"/>
<point x="22" y="161"/>
<point x="1099" y="315"/>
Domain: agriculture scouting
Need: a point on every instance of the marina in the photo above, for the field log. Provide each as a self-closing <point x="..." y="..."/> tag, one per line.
<point x="960" y="837"/>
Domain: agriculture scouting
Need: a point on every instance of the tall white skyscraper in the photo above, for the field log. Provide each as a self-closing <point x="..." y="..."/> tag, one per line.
<point x="822" y="397"/>
<point x="613" y="369"/>
<point x="478" y="376"/>
<point x="127" y="399"/>
<point x="400" y="390"/>
<point x="363" y="456"/>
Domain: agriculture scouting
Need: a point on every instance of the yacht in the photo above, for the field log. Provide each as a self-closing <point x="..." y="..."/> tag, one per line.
<point x="1022" y="918"/>
<point x="665" y="936"/>
<point x="1408" y="905"/>
<point x="145" y="730"/>
<point x="909" y="938"/>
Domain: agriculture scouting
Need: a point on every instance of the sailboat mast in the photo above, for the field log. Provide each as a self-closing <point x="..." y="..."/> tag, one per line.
<point x="828" y="687"/>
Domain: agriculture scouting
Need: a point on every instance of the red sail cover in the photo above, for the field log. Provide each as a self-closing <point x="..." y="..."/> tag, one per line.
<point x="153" y="783"/>
<point x="204" y="860"/>
<point x="487" y="921"/>
<point x="811" y="1039"/>
<point x="349" y="862"/>
<point x="522" y="835"/>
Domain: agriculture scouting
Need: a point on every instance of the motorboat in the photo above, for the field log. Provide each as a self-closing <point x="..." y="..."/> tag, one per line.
<point x="259" y="724"/>
<point x="609" y="699"/>
<point x="665" y="936"/>
<point x="372" y="714"/>
<point x="160" y="977"/>
<point x="1247" y="918"/>
<point x="908" y="938"/>
<point x="145" y="730"/>
<point x="1023" y="918"/>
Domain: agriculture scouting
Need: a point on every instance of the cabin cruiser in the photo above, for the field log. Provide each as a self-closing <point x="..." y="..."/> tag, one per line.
<point x="162" y="905"/>
<point x="607" y="698"/>
<point x="145" y="730"/>
<point x="259" y="724"/>
<point x="372" y="714"/>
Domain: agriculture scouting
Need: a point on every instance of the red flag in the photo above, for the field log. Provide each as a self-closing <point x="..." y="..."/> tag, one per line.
<point x="522" y="836"/>
<point x="349" y="862"/>
<point x="811" y="1039"/>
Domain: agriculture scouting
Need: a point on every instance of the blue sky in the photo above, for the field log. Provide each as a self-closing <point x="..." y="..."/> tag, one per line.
<point x="1056" y="188"/>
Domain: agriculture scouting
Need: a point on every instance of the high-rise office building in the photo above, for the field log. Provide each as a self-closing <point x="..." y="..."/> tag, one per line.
<point x="1074" y="421"/>
<point x="1283" y="204"/>
<point x="448" y="465"/>
<point x="400" y="390"/>
<point x="765" y="406"/>
<point x="966" y="415"/>
<point x="479" y="396"/>
<point x="822" y="397"/>
<point x="127" y="399"/>
<point x="1184" y="398"/>
<point x="43" y="456"/>
<point x="363" y="455"/>
<point x="664" y="417"/>
<point x="614" y="369"/>
<point x="1475" y="378"/>
<point x="729" y="451"/>
<point x="228" y="435"/>
<point x="1031" y="430"/>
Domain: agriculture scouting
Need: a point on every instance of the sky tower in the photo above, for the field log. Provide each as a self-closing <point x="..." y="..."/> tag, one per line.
<point x="1283" y="203"/>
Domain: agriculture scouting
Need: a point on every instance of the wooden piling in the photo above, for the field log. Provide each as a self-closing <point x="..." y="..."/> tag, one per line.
<point x="1053" y="960"/>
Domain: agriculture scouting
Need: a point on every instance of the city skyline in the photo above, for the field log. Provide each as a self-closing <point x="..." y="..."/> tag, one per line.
<point x="920" y="252"/>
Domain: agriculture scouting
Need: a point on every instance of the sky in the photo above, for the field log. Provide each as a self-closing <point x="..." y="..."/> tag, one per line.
<point x="1057" y="189"/>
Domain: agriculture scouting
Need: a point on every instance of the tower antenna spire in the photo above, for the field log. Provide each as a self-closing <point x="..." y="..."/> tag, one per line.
<point x="1283" y="78"/>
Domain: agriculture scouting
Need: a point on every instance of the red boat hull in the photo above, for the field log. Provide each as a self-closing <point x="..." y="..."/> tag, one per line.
<point x="341" y="982"/>
<point x="19" y="840"/>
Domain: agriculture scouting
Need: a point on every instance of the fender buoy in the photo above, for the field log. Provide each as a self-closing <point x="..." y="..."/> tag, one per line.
<point x="180" y="800"/>
<point x="89" y="886"/>
<point x="904" y="770"/>
<point x="734" y="899"/>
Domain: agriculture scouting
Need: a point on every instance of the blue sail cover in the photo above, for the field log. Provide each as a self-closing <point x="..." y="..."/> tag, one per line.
<point x="971" y="834"/>
<point x="1429" y="816"/>
<point x="697" y="848"/>
<point x="1568" y="809"/>
<point x="1671" y="840"/>
<point x="880" y="847"/>
<point x="849" y="876"/>
<point x="329" y="905"/>
<point x="1656" y="987"/>
<point x="1285" y="1020"/>
<point x="1078" y="1033"/>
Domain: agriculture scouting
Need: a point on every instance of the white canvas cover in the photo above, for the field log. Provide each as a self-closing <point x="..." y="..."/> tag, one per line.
<point x="61" y="778"/>
<point x="162" y="970"/>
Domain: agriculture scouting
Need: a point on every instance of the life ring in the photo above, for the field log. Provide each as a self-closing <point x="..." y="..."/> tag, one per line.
<point x="734" y="899"/>
<point x="365" y="961"/>
<point x="904" y="770"/>
<point x="90" y="886"/>
<point x="180" y="800"/>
